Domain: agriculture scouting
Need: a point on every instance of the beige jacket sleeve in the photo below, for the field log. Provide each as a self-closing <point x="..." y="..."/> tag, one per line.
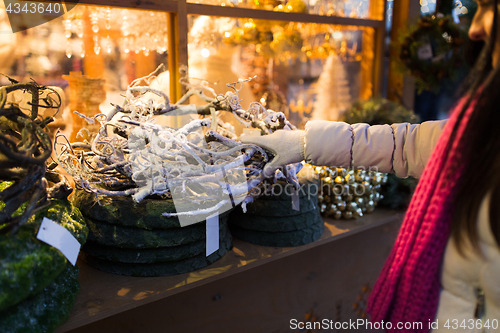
<point x="402" y="149"/>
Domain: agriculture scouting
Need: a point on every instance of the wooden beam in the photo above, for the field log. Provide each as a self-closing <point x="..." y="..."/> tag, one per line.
<point x="162" y="5"/>
<point x="199" y="9"/>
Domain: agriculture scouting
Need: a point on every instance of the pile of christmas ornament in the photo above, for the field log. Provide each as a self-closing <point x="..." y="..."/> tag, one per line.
<point x="348" y="194"/>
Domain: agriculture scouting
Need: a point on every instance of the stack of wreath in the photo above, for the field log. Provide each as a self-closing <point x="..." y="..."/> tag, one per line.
<point x="134" y="238"/>
<point x="282" y="215"/>
<point x="37" y="284"/>
<point x="147" y="190"/>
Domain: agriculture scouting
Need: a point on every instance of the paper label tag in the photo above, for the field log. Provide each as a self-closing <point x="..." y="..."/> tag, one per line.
<point x="212" y="234"/>
<point x="425" y="52"/>
<point x="295" y="200"/>
<point x="59" y="237"/>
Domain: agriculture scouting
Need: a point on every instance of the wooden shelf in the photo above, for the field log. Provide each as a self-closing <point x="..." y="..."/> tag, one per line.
<point x="106" y="298"/>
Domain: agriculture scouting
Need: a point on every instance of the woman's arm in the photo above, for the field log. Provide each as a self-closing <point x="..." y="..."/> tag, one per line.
<point x="402" y="149"/>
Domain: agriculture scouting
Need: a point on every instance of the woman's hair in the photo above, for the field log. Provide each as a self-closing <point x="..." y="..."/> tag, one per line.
<point x="481" y="148"/>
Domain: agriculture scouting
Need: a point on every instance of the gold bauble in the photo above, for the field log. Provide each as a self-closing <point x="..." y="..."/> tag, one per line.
<point x="347" y="215"/>
<point x="296" y="6"/>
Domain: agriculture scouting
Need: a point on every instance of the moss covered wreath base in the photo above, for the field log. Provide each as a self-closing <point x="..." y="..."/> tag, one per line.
<point x="271" y="219"/>
<point x="130" y="238"/>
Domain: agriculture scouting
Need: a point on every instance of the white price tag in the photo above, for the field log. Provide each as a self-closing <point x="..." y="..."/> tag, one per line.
<point x="212" y="230"/>
<point x="295" y="200"/>
<point x="59" y="237"/>
<point x="425" y="52"/>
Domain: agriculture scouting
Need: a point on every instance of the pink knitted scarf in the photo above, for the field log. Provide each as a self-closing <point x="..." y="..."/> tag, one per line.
<point x="408" y="288"/>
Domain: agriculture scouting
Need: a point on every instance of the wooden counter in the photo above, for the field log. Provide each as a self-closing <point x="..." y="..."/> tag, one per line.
<point x="251" y="289"/>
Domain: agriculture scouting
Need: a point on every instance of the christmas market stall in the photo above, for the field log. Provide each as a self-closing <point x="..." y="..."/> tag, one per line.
<point x="128" y="200"/>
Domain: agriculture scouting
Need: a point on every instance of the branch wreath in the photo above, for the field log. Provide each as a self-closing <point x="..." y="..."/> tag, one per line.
<point x="131" y="155"/>
<point x="25" y="148"/>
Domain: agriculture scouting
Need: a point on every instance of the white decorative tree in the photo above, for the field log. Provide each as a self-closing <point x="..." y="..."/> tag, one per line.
<point x="333" y="96"/>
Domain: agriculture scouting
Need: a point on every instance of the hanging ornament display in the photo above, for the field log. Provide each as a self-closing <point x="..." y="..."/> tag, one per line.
<point x="271" y="38"/>
<point x="251" y="34"/>
<point x="108" y="28"/>
<point x="111" y="28"/>
<point x="319" y="49"/>
<point x="255" y="65"/>
<point x="125" y="32"/>
<point x="94" y="20"/>
<point x="273" y="99"/>
<point x="294" y="6"/>
<point x="79" y="34"/>
<point x="287" y="41"/>
<point x="67" y="34"/>
<point x="286" y="44"/>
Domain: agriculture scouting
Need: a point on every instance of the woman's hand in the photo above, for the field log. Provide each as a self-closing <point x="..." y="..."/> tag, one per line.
<point x="287" y="147"/>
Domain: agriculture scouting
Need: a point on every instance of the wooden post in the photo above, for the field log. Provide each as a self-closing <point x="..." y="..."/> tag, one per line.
<point x="367" y="61"/>
<point x="145" y="64"/>
<point x="182" y="33"/>
<point x="379" y="11"/>
<point x="373" y="53"/>
<point x="401" y="88"/>
<point x="93" y="64"/>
